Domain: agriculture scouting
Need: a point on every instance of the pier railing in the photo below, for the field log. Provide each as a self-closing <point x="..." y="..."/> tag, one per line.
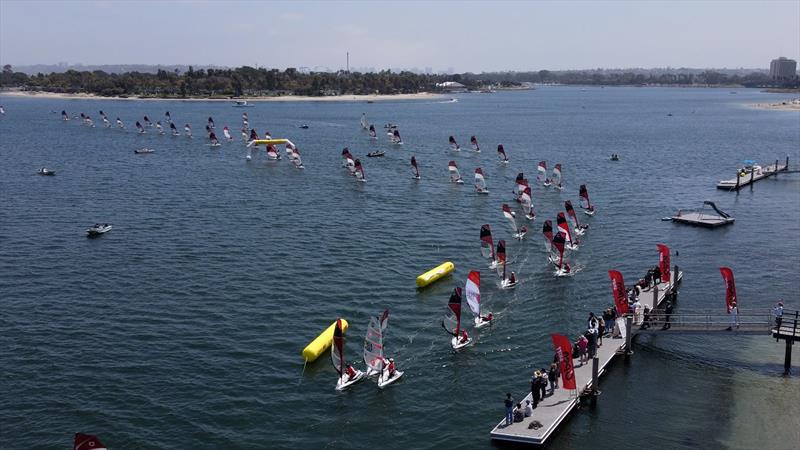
<point x="708" y="322"/>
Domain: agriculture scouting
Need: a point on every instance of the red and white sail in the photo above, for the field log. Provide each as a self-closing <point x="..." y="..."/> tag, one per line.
<point x="227" y="133"/>
<point x="272" y="152"/>
<point x="373" y="342"/>
<point x="452" y="319"/>
<point x="473" y="292"/>
<point x="527" y="203"/>
<point x="584" y="195"/>
<point x="510" y="217"/>
<point x="501" y="152"/>
<point x="453" y="144"/>
<point x="87" y="442"/>
<point x="563" y="227"/>
<point x="501" y="258"/>
<point x="455" y="175"/>
<point x="557" y="175"/>
<point x="474" y="142"/>
<point x="359" y="171"/>
<point x="414" y="168"/>
<point x="521" y="184"/>
<point x="480" y="181"/>
<point x="557" y="255"/>
<point x="571" y="213"/>
<point x="541" y="172"/>
<point x="337" y="348"/>
<point x="487" y="244"/>
<point x="547" y="231"/>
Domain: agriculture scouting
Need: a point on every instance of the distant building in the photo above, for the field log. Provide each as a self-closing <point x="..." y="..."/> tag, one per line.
<point x="451" y="86"/>
<point x="783" y="69"/>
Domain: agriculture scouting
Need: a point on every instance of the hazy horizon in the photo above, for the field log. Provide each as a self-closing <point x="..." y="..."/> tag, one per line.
<point x="437" y="37"/>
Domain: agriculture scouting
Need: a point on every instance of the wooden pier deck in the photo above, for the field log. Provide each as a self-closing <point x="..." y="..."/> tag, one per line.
<point x="739" y="182"/>
<point x="552" y="410"/>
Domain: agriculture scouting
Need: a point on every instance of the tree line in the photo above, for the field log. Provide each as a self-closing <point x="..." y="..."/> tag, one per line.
<point x="248" y="81"/>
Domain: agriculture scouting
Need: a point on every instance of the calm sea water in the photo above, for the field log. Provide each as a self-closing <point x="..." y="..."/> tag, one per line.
<point x="182" y="328"/>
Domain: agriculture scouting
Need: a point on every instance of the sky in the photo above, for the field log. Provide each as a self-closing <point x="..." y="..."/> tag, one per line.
<point x="472" y="36"/>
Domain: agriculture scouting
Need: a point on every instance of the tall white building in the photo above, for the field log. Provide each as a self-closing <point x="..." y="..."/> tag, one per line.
<point x="783" y="69"/>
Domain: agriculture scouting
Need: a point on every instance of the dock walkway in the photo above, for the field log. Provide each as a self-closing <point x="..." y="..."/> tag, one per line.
<point x="552" y="410"/>
<point x="741" y="181"/>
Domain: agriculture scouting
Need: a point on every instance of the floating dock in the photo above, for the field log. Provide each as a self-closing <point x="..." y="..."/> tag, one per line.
<point x="702" y="220"/>
<point x="752" y="176"/>
<point x="552" y="410"/>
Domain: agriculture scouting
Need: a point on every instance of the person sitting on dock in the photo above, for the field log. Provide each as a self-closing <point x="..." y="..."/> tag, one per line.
<point x="518" y="413"/>
<point x="528" y="409"/>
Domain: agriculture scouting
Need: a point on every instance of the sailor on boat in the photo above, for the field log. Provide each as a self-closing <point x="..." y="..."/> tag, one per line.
<point x="391" y="368"/>
<point x="512" y="279"/>
<point x="464" y="337"/>
<point x="351" y="373"/>
<point x="488" y="317"/>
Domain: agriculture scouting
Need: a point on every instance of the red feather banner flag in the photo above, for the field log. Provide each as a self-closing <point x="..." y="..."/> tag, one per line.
<point x="730" y="288"/>
<point x="618" y="288"/>
<point x="564" y="354"/>
<point x="663" y="262"/>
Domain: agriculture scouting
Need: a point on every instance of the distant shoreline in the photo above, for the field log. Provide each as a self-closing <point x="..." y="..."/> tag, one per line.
<point x="282" y="98"/>
<point x="786" y="105"/>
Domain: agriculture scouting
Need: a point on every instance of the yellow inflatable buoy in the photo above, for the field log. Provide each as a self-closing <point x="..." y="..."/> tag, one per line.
<point x="270" y="141"/>
<point x="322" y="342"/>
<point x="440" y="271"/>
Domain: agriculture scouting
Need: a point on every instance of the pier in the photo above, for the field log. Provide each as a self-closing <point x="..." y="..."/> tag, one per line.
<point x="753" y="175"/>
<point x="553" y="410"/>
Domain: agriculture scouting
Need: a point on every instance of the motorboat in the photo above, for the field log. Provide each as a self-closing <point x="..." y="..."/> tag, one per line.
<point x="98" y="229"/>
<point x="242" y="104"/>
<point x="142" y="151"/>
<point x="44" y="171"/>
<point x="376" y="154"/>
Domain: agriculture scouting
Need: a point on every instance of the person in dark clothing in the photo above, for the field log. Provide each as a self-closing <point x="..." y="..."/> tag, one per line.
<point x="648" y="279"/>
<point x="509" y="409"/>
<point x="535" y="389"/>
<point x="646" y="318"/>
<point x="592" y="347"/>
<point x="656" y="275"/>
<point x="667" y="313"/>
<point x="552" y="376"/>
<point x="543" y="382"/>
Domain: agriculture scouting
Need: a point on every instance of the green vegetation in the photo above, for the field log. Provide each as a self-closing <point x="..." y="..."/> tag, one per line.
<point x="248" y="81"/>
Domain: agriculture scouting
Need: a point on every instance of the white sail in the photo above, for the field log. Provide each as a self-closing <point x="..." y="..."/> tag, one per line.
<point x="473" y="292"/>
<point x="480" y="181"/>
<point x="455" y="176"/>
<point x="510" y="217"/>
<point x="227" y="133"/>
<point x="364" y="123"/>
<point x="373" y="343"/>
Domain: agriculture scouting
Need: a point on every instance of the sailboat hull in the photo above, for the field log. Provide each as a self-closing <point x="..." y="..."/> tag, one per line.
<point x="343" y="383"/>
<point x="480" y="323"/>
<point x="457" y="344"/>
<point x="382" y="383"/>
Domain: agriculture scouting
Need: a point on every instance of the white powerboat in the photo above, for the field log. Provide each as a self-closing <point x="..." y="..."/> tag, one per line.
<point x="98" y="229"/>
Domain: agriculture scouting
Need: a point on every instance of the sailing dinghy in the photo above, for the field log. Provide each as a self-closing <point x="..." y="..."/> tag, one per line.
<point x="453" y="319"/>
<point x="455" y="176"/>
<point x="414" y="168"/>
<point x="364" y="123"/>
<point x="474" y="142"/>
<point x="359" y="171"/>
<point x="480" y="182"/>
<point x="557" y="177"/>
<point x="347" y="374"/>
<point x="120" y="124"/>
<point x="272" y="152"/>
<point x="541" y="175"/>
<point x="139" y="128"/>
<point x="579" y="229"/>
<point x="501" y="152"/>
<point x="547" y="231"/>
<point x="159" y="128"/>
<point x="557" y="258"/>
<point x="584" y="195"/>
<point x="527" y="206"/>
<point x="174" y="130"/>
<point x="505" y="283"/>
<point x="487" y="245"/>
<point x="227" y="133"/>
<point x="295" y="159"/>
<point x="519" y="232"/>
<point x="454" y="145"/>
<point x="374" y="352"/>
<point x="396" y="139"/>
<point x="473" y="292"/>
<point x="563" y="227"/>
<point x="372" y="133"/>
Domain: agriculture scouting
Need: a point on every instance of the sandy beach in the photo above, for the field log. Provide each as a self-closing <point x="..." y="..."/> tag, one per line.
<point x="284" y="98"/>
<point x="786" y="105"/>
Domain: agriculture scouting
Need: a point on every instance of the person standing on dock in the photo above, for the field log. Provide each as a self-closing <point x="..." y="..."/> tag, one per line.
<point x="668" y="307"/>
<point x="734" y="312"/>
<point x="778" y="311"/>
<point x="535" y="390"/>
<point x="542" y="383"/>
<point x="656" y="275"/>
<point x="582" y="344"/>
<point x="509" y="402"/>
<point x="552" y="376"/>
